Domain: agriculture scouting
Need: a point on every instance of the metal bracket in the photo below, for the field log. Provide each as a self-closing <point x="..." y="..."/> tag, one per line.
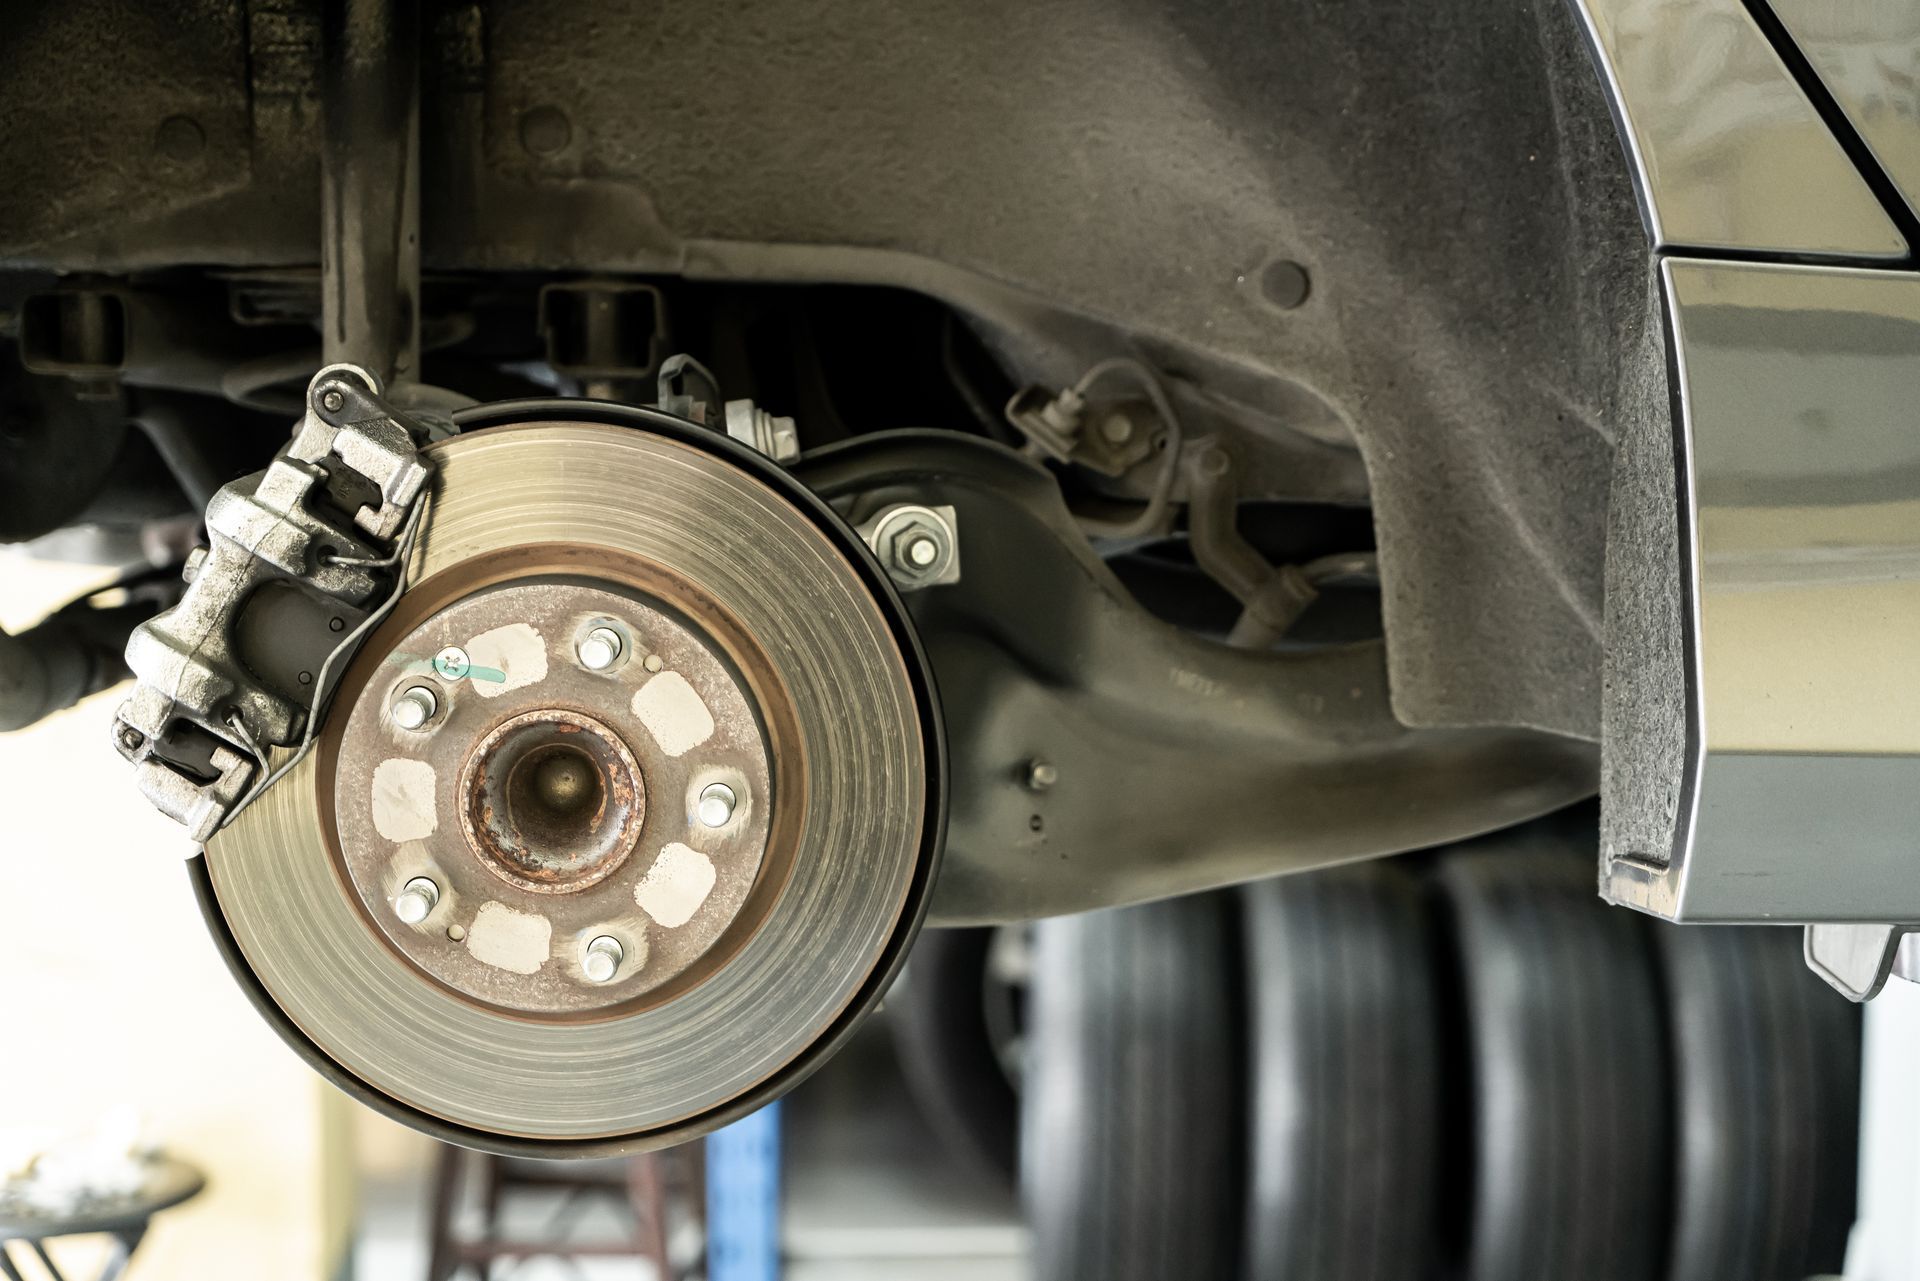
<point x="1857" y="960"/>
<point x="309" y="545"/>
<point x="1100" y="756"/>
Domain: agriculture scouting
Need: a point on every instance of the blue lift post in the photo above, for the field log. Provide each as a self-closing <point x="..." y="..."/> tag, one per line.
<point x="743" y="1199"/>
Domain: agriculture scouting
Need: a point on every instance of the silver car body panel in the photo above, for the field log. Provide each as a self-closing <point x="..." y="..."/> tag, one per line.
<point x="1729" y="154"/>
<point x="1867" y="55"/>
<point x="1799" y="493"/>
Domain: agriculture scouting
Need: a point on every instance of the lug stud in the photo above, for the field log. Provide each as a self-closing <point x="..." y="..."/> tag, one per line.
<point x="600" y="649"/>
<point x="416" y="900"/>
<point x="414" y="708"/>
<point x="601" y="960"/>
<point x="716" y="804"/>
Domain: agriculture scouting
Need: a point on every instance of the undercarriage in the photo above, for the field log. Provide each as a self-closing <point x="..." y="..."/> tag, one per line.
<point x="629" y="512"/>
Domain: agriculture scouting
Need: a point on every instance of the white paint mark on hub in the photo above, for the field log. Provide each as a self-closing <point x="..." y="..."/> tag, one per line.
<point x="676" y="885"/>
<point x="674" y="713"/>
<point x="510" y="657"/>
<point x="508" y="939"/>
<point x="403" y="799"/>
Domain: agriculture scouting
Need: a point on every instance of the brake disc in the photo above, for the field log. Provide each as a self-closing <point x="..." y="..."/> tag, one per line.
<point x="621" y="817"/>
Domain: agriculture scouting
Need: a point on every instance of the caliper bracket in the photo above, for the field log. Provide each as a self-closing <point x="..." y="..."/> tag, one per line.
<point x="324" y="529"/>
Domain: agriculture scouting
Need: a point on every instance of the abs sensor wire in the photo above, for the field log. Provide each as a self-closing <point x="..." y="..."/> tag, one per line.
<point x="1064" y="412"/>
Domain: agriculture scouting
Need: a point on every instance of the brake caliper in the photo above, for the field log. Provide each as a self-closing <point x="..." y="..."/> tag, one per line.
<point x="305" y="559"/>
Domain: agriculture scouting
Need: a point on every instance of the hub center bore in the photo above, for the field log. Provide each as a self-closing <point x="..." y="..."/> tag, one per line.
<point x="552" y="801"/>
<point x="554" y="794"/>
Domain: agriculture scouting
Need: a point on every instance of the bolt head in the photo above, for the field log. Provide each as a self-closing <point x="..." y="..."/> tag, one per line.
<point x="599" y="649"/>
<point x="601" y="960"/>
<point x="416" y="900"/>
<point x="1118" y="429"/>
<point x="914" y="551"/>
<point x="333" y="402"/>
<point x="716" y="804"/>
<point x="413" y="709"/>
<point x="915" y="544"/>
<point x="451" y="663"/>
<point x="1042" y="774"/>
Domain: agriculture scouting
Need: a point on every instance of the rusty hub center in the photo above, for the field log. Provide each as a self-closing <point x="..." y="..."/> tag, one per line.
<point x="552" y="801"/>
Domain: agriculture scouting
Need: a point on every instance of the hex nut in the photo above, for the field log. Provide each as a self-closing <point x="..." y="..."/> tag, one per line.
<point x="916" y="545"/>
<point x="906" y="541"/>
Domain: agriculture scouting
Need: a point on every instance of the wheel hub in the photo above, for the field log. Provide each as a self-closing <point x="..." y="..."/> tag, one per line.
<point x="552" y="802"/>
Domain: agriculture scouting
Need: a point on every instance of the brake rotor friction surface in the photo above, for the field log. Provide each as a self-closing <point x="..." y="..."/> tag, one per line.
<point x="675" y="538"/>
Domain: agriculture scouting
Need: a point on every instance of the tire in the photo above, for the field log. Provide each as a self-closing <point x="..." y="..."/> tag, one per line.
<point x="1565" y="1065"/>
<point x="1767" y="1081"/>
<point x="1345" y="1082"/>
<point x="946" y="1051"/>
<point x="1131" y="1106"/>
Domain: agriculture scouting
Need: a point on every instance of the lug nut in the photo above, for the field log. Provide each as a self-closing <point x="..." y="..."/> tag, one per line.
<point x="413" y="709"/>
<point x="599" y="649"/>
<point x="716" y="804"/>
<point x="416" y="900"/>
<point x="601" y="961"/>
